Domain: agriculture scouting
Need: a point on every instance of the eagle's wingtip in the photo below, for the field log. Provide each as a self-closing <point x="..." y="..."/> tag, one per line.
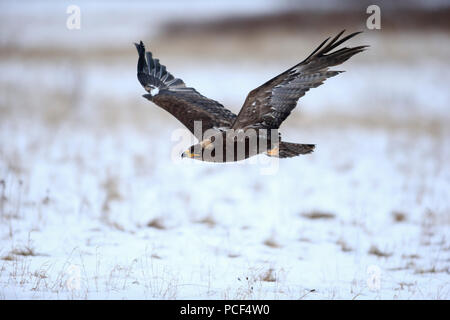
<point x="140" y="46"/>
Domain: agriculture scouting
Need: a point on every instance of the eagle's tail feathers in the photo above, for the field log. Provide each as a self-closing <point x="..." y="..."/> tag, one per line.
<point x="289" y="150"/>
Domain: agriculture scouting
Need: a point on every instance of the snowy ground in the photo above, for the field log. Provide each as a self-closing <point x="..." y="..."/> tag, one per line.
<point x="95" y="203"/>
<point x="135" y="226"/>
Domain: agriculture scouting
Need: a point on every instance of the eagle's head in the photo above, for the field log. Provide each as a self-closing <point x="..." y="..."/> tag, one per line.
<point x="196" y="151"/>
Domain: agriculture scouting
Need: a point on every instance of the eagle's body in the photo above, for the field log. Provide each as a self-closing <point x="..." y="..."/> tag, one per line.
<point x="226" y="137"/>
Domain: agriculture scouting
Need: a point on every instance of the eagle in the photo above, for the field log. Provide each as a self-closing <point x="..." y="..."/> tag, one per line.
<point x="226" y="137"/>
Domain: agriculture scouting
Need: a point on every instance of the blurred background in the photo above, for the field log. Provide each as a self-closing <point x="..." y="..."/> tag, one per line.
<point x="86" y="162"/>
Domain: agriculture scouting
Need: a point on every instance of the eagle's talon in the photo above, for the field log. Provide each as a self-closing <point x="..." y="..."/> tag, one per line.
<point x="273" y="152"/>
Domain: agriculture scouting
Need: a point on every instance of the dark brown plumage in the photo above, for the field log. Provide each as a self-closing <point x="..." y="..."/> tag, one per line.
<point x="265" y="107"/>
<point x="184" y="103"/>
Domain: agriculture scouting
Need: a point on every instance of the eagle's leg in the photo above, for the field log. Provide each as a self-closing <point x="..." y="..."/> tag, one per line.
<point x="273" y="152"/>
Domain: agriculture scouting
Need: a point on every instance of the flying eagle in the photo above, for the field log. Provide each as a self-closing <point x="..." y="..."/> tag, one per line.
<point x="224" y="136"/>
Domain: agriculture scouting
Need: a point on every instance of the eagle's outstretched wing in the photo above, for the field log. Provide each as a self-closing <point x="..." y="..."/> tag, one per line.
<point x="267" y="106"/>
<point x="171" y="94"/>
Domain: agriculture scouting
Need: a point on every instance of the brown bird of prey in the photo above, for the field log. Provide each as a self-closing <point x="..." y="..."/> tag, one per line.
<point x="224" y="136"/>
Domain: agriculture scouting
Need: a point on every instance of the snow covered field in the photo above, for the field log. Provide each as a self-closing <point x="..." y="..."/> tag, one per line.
<point x="103" y="206"/>
<point x="93" y="204"/>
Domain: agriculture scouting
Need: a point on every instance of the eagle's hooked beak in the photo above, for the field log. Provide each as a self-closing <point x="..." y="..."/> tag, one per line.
<point x="188" y="154"/>
<point x="205" y="144"/>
